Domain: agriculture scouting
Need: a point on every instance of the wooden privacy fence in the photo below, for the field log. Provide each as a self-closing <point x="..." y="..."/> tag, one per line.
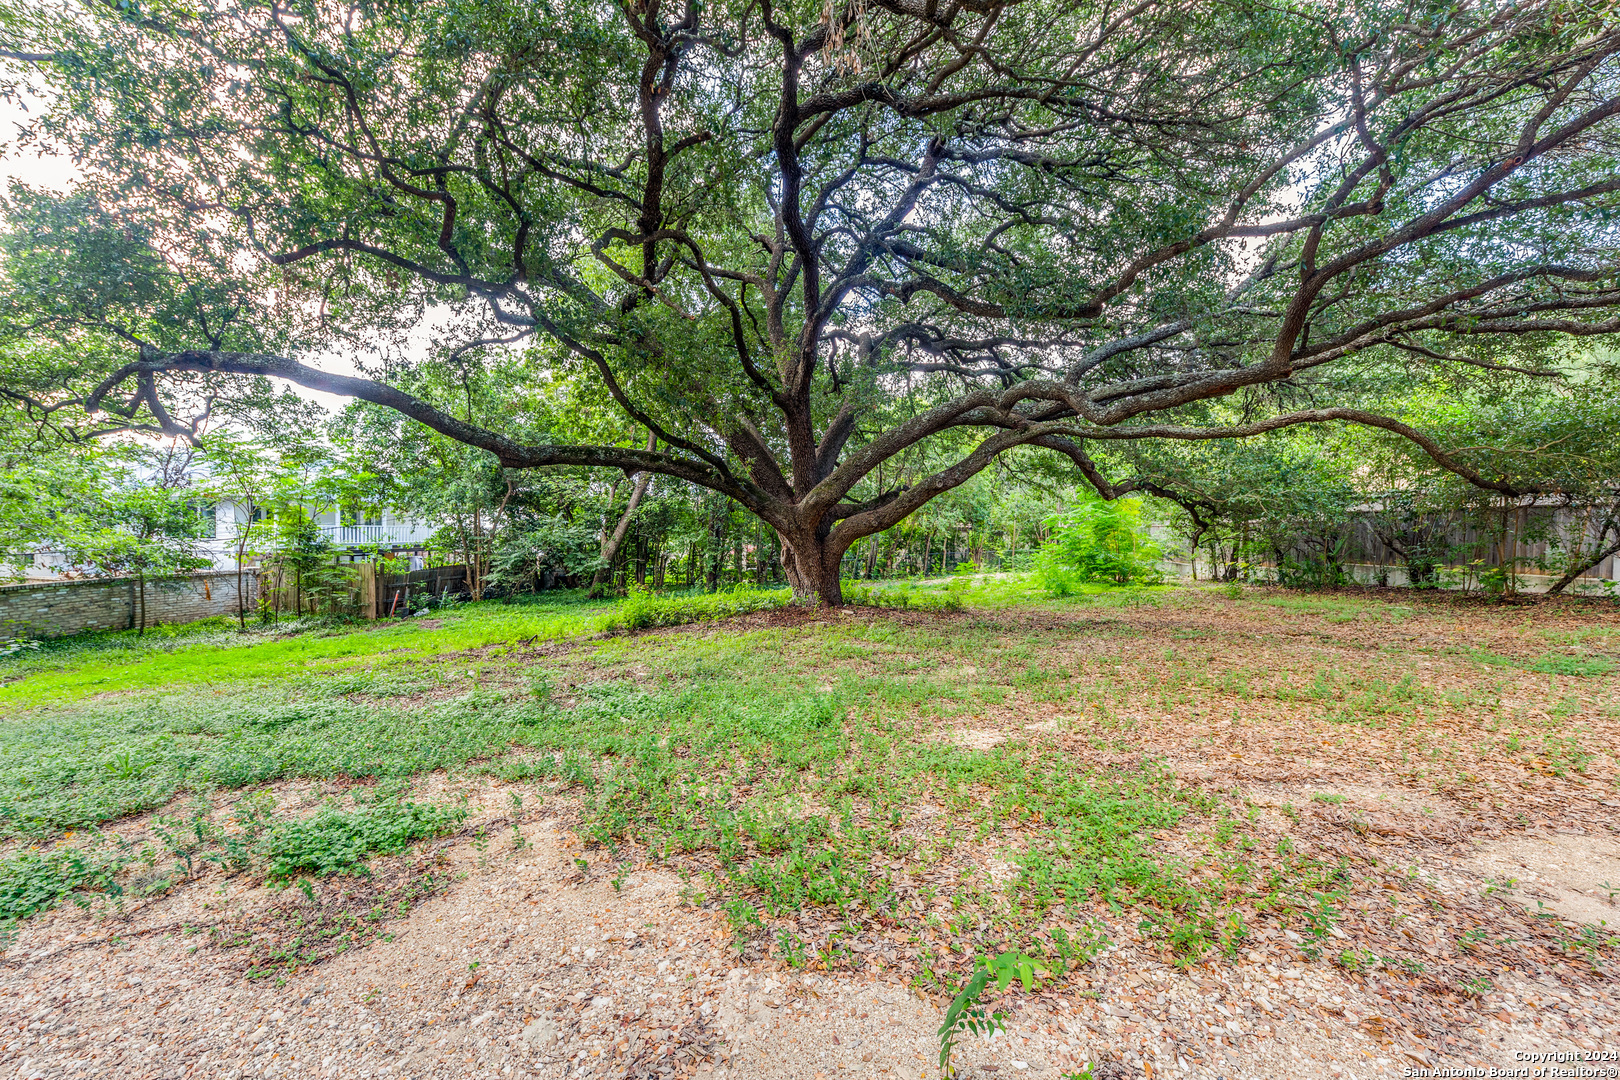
<point x="1534" y="540"/>
<point x="356" y="588"/>
<point x="1530" y="542"/>
<point x="392" y="594"/>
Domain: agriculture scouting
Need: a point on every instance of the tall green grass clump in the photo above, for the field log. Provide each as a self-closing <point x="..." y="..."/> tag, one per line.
<point x="645" y="610"/>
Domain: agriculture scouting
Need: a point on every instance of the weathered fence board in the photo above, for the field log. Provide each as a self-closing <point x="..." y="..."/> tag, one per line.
<point x="394" y="592"/>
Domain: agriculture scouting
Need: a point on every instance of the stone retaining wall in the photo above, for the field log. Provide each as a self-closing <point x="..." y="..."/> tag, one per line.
<point x="58" y="608"/>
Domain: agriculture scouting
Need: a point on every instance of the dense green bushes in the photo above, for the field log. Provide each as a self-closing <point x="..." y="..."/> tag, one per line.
<point x="1098" y="542"/>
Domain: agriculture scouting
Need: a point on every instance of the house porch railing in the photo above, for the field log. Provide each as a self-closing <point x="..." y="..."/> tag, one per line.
<point x="346" y="535"/>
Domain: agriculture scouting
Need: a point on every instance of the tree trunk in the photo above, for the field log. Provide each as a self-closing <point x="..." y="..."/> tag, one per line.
<point x="1589" y="559"/>
<point x="1502" y="552"/>
<point x="140" y="582"/>
<point x="241" y="601"/>
<point x="714" y="553"/>
<point x="475" y="575"/>
<point x="1193" y="549"/>
<point x="610" y="544"/>
<point x="812" y="570"/>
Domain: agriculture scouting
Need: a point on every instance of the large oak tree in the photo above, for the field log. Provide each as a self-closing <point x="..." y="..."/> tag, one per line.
<point x="796" y="241"/>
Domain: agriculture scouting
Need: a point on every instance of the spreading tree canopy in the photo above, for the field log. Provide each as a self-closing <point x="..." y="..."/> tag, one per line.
<point x="795" y="240"/>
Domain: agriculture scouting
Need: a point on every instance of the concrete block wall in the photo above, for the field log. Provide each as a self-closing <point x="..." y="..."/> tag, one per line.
<point x="58" y="608"/>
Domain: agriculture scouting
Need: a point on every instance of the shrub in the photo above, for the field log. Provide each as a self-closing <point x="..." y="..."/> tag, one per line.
<point x="1098" y="542"/>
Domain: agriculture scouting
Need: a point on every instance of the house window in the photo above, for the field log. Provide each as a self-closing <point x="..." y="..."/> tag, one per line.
<point x="206" y="524"/>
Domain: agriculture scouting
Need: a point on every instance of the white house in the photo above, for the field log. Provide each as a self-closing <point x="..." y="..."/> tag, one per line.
<point x="345" y="528"/>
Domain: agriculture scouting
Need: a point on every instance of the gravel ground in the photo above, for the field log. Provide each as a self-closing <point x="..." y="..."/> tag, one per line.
<point x="527" y="967"/>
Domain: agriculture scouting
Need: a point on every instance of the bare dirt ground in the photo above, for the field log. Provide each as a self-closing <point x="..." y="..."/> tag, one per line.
<point x="1479" y="857"/>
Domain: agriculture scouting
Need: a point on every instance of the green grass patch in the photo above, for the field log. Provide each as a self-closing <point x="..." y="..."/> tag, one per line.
<point x="1564" y="664"/>
<point x="334" y="841"/>
<point x="783" y="798"/>
<point x="809" y="772"/>
<point x="1340" y="609"/>
<point x="643" y="610"/>
<point x="74" y="668"/>
<point x="34" y="881"/>
<point x="73" y="768"/>
<point x="1547" y="663"/>
<point x="266" y="657"/>
<point x="337" y="841"/>
<point x="958" y="591"/>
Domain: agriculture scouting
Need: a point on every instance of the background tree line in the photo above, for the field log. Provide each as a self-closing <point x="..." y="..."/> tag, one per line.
<point x="1297" y="506"/>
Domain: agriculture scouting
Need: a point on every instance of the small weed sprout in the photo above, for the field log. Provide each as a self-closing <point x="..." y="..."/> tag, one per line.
<point x="1358" y="959"/>
<point x="966" y="1016"/>
<point x="790" y="948"/>
<point x="743" y="916"/>
<point x="1087" y="943"/>
<point x="13" y="646"/>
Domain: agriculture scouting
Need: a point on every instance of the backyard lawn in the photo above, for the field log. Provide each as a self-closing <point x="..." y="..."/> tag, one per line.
<point x="1233" y="828"/>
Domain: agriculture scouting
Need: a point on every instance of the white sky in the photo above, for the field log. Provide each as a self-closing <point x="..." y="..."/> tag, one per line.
<point x="58" y="173"/>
